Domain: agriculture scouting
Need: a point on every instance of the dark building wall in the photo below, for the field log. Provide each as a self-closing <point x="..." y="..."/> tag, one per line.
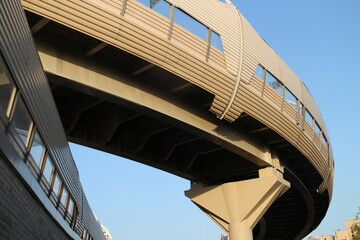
<point x="21" y="215"/>
<point x="37" y="120"/>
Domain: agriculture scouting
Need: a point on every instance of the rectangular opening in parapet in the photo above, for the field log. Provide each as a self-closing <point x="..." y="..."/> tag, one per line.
<point x="274" y="83"/>
<point x="216" y="41"/>
<point x="161" y="6"/>
<point x="309" y="118"/>
<point x="190" y="23"/>
<point x="259" y="71"/>
<point x="317" y="129"/>
<point x="290" y="97"/>
<point x="324" y="141"/>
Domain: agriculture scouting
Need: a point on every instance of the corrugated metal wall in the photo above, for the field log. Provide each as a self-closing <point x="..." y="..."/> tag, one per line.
<point x="255" y="50"/>
<point x="20" y="53"/>
<point x="36" y="91"/>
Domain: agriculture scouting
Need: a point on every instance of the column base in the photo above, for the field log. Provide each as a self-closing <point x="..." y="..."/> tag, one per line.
<point x="238" y="206"/>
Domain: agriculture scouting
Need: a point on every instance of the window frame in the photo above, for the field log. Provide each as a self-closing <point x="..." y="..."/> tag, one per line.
<point x="307" y="113"/>
<point x="54" y="177"/>
<point x="203" y="36"/>
<point x="317" y="129"/>
<point x="324" y="140"/>
<point x="262" y="77"/>
<point x="295" y="104"/>
<point x="276" y="80"/>
<point x="212" y="39"/>
<point x="24" y="146"/>
<point x="30" y="157"/>
<point x="74" y="218"/>
<point x="10" y="103"/>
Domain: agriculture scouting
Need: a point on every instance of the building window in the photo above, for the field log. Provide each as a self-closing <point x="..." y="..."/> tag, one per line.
<point x="308" y="117"/>
<point x="190" y="23"/>
<point x="37" y="149"/>
<point x="64" y="196"/>
<point x="48" y="169"/>
<point x="84" y="234"/>
<point x="324" y="141"/>
<point x="56" y="185"/>
<point x="7" y="88"/>
<point x="317" y="129"/>
<point x="70" y="208"/>
<point x="21" y="121"/>
<point x="216" y="41"/>
<point x="74" y="219"/>
<point x="274" y="83"/>
<point x="301" y="108"/>
<point x="290" y="98"/>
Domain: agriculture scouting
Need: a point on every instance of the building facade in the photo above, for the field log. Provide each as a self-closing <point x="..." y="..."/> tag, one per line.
<point x="347" y="234"/>
<point x="41" y="194"/>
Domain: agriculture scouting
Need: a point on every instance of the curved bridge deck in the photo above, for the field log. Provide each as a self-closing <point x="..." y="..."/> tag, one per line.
<point x="135" y="82"/>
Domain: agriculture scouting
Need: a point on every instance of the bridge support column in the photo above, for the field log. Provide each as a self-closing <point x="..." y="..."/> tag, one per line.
<point x="238" y="206"/>
<point x="240" y="231"/>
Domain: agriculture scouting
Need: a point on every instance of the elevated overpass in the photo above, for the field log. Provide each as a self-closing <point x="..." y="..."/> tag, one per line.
<point x="213" y="104"/>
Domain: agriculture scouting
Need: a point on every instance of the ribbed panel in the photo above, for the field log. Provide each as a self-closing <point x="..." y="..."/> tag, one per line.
<point x="268" y="110"/>
<point x="313" y="108"/>
<point x="257" y="51"/>
<point x="151" y="20"/>
<point x="19" y="52"/>
<point x="192" y="44"/>
<point x="90" y="222"/>
<point x="212" y="13"/>
<point x="216" y="57"/>
<point x="301" y="135"/>
<point x="133" y="36"/>
<point x="291" y="81"/>
<point x="113" y="6"/>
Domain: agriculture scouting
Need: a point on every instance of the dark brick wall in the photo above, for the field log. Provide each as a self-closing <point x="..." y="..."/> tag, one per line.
<point x="21" y="215"/>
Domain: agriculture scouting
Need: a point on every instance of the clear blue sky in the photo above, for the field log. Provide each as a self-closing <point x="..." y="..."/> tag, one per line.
<point x="320" y="41"/>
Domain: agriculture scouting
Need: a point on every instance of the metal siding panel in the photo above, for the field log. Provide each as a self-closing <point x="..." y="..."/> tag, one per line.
<point x="211" y="13"/>
<point x="290" y="79"/>
<point x="33" y="93"/>
<point x="258" y="108"/>
<point x="151" y="20"/>
<point x="257" y="51"/>
<point x="90" y="222"/>
<point x="111" y="6"/>
<point x="19" y="52"/>
<point x="159" y="55"/>
<point x="313" y="109"/>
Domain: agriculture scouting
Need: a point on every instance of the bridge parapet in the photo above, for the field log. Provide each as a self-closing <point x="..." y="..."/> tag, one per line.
<point x="134" y="65"/>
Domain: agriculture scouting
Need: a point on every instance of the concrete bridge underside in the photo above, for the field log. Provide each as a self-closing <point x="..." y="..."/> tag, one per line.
<point x="121" y="104"/>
